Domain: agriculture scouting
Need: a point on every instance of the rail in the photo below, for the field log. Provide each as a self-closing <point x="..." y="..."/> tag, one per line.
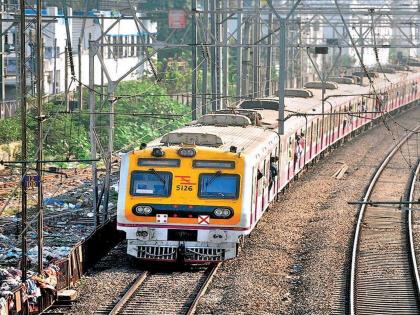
<point x="203" y="289"/>
<point x="126" y="297"/>
<point x="410" y="198"/>
<point x="367" y="194"/>
<point x="181" y="290"/>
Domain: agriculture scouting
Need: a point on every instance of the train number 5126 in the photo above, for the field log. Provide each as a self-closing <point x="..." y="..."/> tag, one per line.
<point x="184" y="187"/>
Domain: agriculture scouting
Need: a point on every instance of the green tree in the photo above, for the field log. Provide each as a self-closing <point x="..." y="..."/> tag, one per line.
<point x="133" y="130"/>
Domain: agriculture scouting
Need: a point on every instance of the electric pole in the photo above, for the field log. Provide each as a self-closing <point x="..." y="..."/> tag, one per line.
<point x="22" y="74"/>
<point x="40" y="119"/>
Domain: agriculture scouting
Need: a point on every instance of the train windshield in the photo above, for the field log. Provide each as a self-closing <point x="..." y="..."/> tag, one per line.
<point x="219" y="186"/>
<point x="151" y="183"/>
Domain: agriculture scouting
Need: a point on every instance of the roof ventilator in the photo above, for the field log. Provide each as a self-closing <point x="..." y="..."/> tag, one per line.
<point x="192" y="138"/>
<point x="304" y="93"/>
<point x="224" y="120"/>
<point x="318" y="85"/>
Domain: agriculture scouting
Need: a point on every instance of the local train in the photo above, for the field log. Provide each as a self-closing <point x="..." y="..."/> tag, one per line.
<point x="195" y="193"/>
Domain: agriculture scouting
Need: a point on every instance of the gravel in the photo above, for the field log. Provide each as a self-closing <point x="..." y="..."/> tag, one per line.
<point x="296" y="260"/>
<point x="102" y="286"/>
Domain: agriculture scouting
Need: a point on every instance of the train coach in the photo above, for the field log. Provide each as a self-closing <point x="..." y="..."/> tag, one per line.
<point x="195" y="193"/>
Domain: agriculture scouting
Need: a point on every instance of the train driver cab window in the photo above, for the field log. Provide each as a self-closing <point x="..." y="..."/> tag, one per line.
<point x="151" y="183"/>
<point x="219" y="186"/>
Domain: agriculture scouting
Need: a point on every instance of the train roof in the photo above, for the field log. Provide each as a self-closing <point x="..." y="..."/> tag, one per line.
<point x="252" y="130"/>
<point x="342" y="95"/>
<point x="246" y="139"/>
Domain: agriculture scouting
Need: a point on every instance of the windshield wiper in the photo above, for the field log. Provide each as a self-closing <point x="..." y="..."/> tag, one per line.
<point x="217" y="174"/>
<point x="152" y="170"/>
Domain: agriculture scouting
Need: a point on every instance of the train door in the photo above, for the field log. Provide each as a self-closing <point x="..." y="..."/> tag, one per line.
<point x="274" y="171"/>
<point x="254" y="195"/>
<point x="309" y="137"/>
<point x="284" y="161"/>
<point x="334" y="120"/>
<point x="259" y="190"/>
<point x="318" y="135"/>
<point x="330" y="138"/>
<point x="339" y="122"/>
<point x="265" y="185"/>
<point x="351" y="117"/>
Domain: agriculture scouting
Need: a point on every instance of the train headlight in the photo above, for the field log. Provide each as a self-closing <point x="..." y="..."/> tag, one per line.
<point x="158" y="152"/>
<point x="222" y="212"/>
<point x="143" y="210"/>
<point x="186" y="152"/>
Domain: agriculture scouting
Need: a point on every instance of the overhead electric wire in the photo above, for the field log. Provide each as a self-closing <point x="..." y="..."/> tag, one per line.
<point x="372" y="86"/>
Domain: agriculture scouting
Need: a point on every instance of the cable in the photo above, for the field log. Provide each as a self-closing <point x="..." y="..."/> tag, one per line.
<point x="375" y="48"/>
<point x="372" y="86"/>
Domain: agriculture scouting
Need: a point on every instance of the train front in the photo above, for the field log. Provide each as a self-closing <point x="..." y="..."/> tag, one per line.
<point x="181" y="203"/>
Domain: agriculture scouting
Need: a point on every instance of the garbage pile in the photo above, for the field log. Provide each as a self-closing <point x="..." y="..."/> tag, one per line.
<point x="30" y="290"/>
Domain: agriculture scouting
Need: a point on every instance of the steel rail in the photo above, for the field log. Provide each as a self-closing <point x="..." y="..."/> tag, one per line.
<point x="356" y="240"/>
<point x="203" y="289"/>
<point x="410" y="229"/>
<point x="129" y="293"/>
<point x="135" y="291"/>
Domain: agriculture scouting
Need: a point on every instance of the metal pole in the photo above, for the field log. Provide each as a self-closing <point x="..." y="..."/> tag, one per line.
<point x="218" y="61"/>
<point x="111" y="99"/>
<point x="213" y="56"/>
<point x="66" y="79"/>
<point x="269" y="57"/>
<point x="323" y="99"/>
<point x="239" y="49"/>
<point x="55" y="67"/>
<point x="2" y="91"/>
<point x="194" y="60"/>
<point x="92" y="53"/>
<point x="40" y="118"/>
<point x="301" y="68"/>
<point x="80" y="90"/>
<point x="101" y="96"/>
<point x="256" y="50"/>
<point x="245" y="60"/>
<point x="22" y="81"/>
<point x="225" y="61"/>
<point x="31" y="61"/>
<point x="282" y="61"/>
<point x="205" y="63"/>
<point x="282" y="73"/>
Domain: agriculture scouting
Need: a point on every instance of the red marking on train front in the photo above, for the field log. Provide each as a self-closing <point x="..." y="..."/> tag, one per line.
<point x="185" y="180"/>
<point x="203" y="219"/>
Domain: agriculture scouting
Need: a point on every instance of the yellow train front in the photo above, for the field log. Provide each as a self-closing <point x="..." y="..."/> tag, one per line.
<point x="175" y="201"/>
<point x="181" y="196"/>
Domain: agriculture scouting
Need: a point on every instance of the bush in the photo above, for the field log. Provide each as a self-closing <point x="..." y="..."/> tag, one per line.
<point x="68" y="134"/>
<point x="9" y="129"/>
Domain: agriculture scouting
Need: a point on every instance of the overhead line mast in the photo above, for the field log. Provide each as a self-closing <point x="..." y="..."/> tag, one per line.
<point x="40" y="119"/>
<point x="22" y="74"/>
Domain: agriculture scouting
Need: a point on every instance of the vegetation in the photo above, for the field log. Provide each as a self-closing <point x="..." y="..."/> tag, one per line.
<point x="67" y="134"/>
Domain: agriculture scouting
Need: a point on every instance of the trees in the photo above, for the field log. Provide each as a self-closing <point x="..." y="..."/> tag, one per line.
<point x="67" y="133"/>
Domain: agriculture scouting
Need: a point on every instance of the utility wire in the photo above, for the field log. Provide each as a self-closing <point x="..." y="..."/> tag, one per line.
<point x="371" y="82"/>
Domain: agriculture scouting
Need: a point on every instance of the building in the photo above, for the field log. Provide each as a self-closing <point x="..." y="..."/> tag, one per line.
<point x="117" y="58"/>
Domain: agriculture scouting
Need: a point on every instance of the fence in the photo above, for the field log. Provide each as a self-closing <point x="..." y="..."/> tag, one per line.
<point x="82" y="257"/>
<point x="8" y="108"/>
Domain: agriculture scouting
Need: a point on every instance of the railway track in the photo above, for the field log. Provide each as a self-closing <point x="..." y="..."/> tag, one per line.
<point x="165" y="292"/>
<point x="383" y="275"/>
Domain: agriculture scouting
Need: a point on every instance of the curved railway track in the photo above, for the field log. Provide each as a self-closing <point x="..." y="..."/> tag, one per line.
<point x="165" y="293"/>
<point x="383" y="277"/>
